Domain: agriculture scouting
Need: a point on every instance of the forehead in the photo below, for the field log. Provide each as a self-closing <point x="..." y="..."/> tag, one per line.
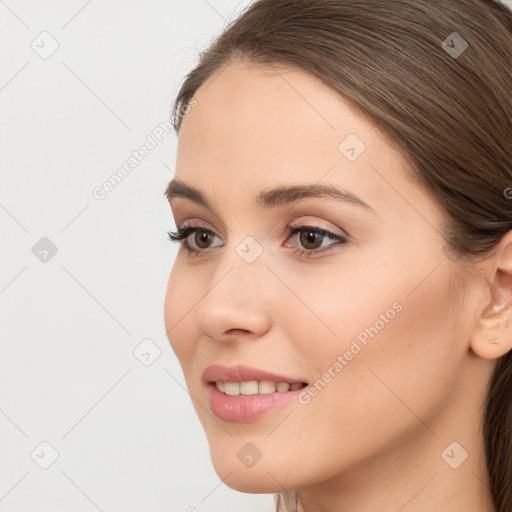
<point x="251" y="119"/>
<point x="271" y="104"/>
<point x="257" y="127"/>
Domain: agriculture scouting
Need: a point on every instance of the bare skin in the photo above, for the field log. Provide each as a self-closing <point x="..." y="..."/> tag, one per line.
<point x="377" y="436"/>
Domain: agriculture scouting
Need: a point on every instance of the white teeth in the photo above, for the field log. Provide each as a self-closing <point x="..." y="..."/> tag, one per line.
<point x="253" y="387"/>
<point x="232" y="388"/>
<point x="249" y="388"/>
<point x="266" y="387"/>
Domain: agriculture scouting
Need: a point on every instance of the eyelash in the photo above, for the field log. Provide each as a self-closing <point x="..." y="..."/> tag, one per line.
<point x="182" y="234"/>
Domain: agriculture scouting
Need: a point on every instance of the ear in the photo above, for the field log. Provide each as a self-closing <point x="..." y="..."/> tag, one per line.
<point x="494" y="322"/>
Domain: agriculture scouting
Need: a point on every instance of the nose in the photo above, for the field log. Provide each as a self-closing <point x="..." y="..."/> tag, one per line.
<point x="236" y="302"/>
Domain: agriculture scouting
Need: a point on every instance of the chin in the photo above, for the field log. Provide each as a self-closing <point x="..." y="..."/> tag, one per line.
<point x="262" y="478"/>
<point x="245" y="480"/>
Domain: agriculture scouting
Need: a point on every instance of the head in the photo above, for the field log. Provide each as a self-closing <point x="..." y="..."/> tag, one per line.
<point x="399" y="301"/>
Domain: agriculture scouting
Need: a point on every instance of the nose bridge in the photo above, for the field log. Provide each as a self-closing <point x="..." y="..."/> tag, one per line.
<point x="243" y="268"/>
<point x="237" y="297"/>
<point x="244" y="262"/>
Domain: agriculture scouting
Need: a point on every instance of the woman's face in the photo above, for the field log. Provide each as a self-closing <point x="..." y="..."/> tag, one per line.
<point x="372" y="324"/>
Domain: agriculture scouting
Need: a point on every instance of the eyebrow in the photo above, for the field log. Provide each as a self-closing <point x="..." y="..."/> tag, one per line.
<point x="270" y="198"/>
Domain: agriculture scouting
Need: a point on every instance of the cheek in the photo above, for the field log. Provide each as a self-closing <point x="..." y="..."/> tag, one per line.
<point x="178" y="308"/>
<point x="393" y="349"/>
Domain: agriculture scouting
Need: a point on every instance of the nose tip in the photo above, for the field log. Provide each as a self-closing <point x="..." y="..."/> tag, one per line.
<point x="256" y="328"/>
<point x="225" y="321"/>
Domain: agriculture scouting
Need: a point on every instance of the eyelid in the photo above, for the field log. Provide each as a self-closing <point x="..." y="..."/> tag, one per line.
<point x="195" y="224"/>
<point x="316" y="224"/>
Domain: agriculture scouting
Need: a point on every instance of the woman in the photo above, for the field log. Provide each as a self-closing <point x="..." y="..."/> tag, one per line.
<point x="341" y="301"/>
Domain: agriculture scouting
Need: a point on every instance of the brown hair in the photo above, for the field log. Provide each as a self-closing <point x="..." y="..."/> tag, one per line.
<point x="448" y="107"/>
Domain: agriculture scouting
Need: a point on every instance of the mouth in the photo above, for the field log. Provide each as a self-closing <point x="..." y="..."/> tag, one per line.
<point x="243" y="394"/>
<point x="240" y="408"/>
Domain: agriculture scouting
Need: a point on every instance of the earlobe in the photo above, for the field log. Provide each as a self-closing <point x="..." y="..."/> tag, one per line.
<point x="492" y="336"/>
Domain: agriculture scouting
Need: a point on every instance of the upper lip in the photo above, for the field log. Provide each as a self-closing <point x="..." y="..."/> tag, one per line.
<point x="242" y="373"/>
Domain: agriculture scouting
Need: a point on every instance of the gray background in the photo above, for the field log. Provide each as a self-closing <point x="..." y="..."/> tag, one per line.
<point x="126" y="434"/>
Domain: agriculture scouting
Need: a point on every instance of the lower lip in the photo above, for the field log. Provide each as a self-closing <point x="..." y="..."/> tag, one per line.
<point x="244" y="409"/>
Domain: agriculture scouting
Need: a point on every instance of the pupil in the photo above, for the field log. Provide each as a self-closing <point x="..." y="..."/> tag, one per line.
<point x="204" y="237"/>
<point x="311" y="236"/>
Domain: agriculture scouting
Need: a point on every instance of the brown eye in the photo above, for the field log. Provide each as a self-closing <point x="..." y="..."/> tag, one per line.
<point x="202" y="237"/>
<point x="195" y="239"/>
<point x="310" y="239"/>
